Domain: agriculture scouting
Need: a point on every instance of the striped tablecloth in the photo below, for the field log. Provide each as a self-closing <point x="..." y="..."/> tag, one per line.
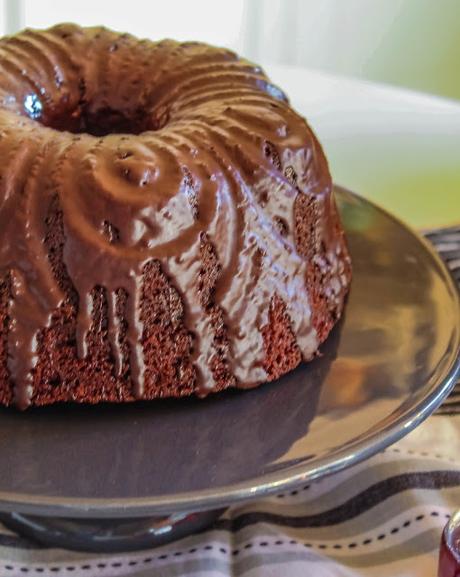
<point x="380" y="518"/>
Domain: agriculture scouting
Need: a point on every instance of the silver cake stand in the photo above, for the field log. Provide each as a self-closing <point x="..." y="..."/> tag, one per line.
<point x="112" y="478"/>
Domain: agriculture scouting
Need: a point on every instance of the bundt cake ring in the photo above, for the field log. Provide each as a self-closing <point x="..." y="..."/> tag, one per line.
<point x="167" y="223"/>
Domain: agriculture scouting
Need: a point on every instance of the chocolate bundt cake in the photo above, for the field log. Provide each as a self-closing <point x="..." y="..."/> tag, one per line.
<point x="167" y="223"/>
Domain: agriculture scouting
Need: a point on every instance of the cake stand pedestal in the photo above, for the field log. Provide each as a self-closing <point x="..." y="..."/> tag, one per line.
<point x="109" y="535"/>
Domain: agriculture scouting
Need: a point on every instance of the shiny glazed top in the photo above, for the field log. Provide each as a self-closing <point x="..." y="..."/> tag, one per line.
<point x="149" y="149"/>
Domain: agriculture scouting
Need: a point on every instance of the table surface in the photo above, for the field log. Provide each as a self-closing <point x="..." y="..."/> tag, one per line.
<point x="397" y="147"/>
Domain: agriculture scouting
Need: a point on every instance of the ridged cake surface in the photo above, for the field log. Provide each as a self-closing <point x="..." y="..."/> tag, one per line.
<point x="167" y="223"/>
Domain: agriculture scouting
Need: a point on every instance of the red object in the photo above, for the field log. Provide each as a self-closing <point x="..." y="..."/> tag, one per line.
<point x="449" y="554"/>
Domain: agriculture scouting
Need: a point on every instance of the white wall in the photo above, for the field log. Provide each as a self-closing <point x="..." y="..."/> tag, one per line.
<point x="413" y="43"/>
<point x="216" y="22"/>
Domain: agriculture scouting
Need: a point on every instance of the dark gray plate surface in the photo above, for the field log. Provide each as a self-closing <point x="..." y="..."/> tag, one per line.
<point x="385" y="368"/>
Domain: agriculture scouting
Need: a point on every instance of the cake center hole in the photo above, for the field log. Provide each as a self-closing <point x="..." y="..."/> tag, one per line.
<point x="90" y="119"/>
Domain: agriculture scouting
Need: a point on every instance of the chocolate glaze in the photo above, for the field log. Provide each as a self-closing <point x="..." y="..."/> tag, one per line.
<point x="216" y="151"/>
